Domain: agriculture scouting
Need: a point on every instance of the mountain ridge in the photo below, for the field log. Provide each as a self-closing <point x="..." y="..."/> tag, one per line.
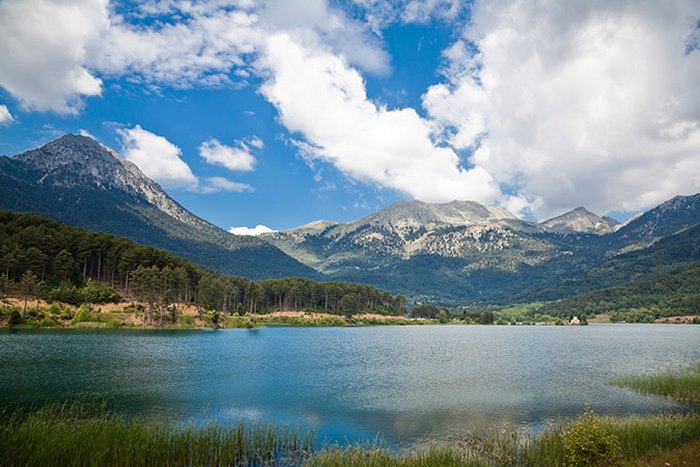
<point x="458" y="252"/>
<point x="77" y="180"/>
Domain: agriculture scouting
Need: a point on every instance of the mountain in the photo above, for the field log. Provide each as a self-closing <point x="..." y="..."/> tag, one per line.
<point x="453" y="253"/>
<point x="407" y="229"/>
<point x="580" y="220"/>
<point x="670" y="293"/>
<point x="675" y="215"/>
<point x="466" y="252"/>
<point x="77" y="180"/>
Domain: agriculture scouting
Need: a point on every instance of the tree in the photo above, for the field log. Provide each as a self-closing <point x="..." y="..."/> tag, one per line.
<point x="147" y="287"/>
<point x="426" y="311"/>
<point x="351" y="304"/>
<point x="28" y="286"/>
<point x="36" y="260"/>
<point x="486" y="317"/>
<point x="4" y="285"/>
<point x="254" y="293"/>
<point x="65" y="267"/>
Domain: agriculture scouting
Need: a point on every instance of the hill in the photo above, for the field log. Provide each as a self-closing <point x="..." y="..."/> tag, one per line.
<point x="76" y="180"/>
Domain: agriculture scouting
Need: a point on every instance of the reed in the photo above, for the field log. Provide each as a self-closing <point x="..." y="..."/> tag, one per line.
<point x="76" y="435"/>
<point x="80" y="434"/>
<point x="683" y="386"/>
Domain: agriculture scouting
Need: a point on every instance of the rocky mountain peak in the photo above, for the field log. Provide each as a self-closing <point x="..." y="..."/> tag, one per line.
<point x="678" y="213"/>
<point x="580" y="220"/>
<point x="80" y="161"/>
<point x="414" y="214"/>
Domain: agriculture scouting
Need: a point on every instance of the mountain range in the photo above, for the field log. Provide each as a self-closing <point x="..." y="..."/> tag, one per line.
<point x="77" y="180"/>
<point x="463" y="251"/>
<point x="451" y="253"/>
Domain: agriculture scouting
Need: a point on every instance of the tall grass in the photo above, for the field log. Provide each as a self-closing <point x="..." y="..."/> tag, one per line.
<point x="74" y="435"/>
<point x="638" y="437"/>
<point x="683" y="386"/>
<point x="80" y="435"/>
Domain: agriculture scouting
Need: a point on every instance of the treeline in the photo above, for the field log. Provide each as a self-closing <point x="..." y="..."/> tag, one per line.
<point x="40" y="257"/>
<point x="669" y="294"/>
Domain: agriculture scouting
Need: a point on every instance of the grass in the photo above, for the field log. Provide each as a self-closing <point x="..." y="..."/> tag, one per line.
<point x="80" y="434"/>
<point x="683" y="386"/>
<point x="638" y="437"/>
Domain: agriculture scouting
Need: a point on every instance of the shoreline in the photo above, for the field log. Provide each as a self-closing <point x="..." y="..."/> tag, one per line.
<point x="133" y="315"/>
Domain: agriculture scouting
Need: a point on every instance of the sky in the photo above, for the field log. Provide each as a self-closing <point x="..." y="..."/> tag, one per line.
<point x="260" y="115"/>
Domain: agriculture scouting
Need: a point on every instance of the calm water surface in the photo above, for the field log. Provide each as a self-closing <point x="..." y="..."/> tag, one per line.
<point x="408" y="383"/>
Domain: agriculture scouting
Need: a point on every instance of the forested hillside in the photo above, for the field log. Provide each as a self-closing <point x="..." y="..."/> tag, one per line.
<point x="668" y="294"/>
<point x="43" y="258"/>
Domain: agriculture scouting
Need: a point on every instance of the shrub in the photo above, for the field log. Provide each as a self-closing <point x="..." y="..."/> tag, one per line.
<point x="67" y="293"/>
<point x="55" y="309"/>
<point x="15" y="318"/>
<point x="588" y="443"/>
<point x="99" y="292"/>
<point x="47" y="323"/>
<point x="84" y="314"/>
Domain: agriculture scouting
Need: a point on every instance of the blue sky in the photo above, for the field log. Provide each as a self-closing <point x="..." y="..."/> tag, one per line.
<point x="283" y="112"/>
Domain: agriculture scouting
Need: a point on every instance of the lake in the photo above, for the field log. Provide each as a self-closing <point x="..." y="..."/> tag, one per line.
<point x="408" y="383"/>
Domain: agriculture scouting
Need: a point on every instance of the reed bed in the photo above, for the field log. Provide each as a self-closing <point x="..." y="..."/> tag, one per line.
<point x="638" y="438"/>
<point x="76" y="435"/>
<point x="683" y="386"/>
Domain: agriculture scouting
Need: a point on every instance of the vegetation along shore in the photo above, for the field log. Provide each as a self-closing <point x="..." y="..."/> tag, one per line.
<point x="84" y="434"/>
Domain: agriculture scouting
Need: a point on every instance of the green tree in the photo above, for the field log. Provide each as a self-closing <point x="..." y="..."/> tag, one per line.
<point x="350" y="304"/>
<point x="486" y="317"/>
<point x="29" y="288"/>
<point x="65" y="267"/>
<point x="147" y="287"/>
<point x="4" y="285"/>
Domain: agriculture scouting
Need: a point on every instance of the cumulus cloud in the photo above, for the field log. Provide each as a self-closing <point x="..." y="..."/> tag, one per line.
<point x="257" y="230"/>
<point x="45" y="44"/>
<point x="5" y="116"/>
<point x="157" y="157"/>
<point x="209" y="40"/>
<point x="217" y="184"/>
<point x="317" y="25"/>
<point x="593" y="103"/>
<point x="318" y="95"/>
<point x="233" y="158"/>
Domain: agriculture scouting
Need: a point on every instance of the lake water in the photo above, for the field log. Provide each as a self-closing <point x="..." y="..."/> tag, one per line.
<point x="408" y="383"/>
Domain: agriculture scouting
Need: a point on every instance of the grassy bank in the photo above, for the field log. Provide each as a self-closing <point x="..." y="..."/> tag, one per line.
<point x="75" y="435"/>
<point x="683" y="386"/>
<point x="185" y="316"/>
<point x="590" y="440"/>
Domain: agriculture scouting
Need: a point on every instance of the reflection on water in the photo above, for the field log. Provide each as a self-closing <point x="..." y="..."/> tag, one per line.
<point x="408" y="383"/>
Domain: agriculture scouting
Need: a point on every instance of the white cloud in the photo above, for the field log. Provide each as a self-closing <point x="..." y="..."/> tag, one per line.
<point x="570" y="103"/>
<point x="380" y="14"/>
<point x="84" y="132"/>
<point x="44" y="47"/>
<point x="5" y="116"/>
<point x="217" y="184"/>
<point x="256" y="142"/>
<point x="157" y="157"/>
<point x="233" y="158"/>
<point x="316" y="25"/>
<point x="318" y="95"/>
<point x="257" y="230"/>
<point x="200" y="49"/>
